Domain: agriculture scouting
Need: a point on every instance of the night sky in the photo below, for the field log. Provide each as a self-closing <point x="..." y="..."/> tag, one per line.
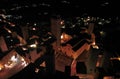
<point x="73" y="7"/>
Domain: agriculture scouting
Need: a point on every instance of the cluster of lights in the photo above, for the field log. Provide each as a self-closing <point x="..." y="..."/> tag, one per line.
<point x="85" y="21"/>
<point x="34" y="5"/>
<point x="13" y="61"/>
<point x="65" y="2"/>
<point x="45" y="4"/>
<point x="99" y="20"/>
<point x="4" y="19"/>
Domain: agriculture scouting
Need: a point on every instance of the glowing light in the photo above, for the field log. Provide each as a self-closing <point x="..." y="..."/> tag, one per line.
<point x="1" y="67"/>
<point x="3" y="16"/>
<point x="61" y="36"/>
<point x="33" y="45"/>
<point x="9" y="31"/>
<point x="14" y="59"/>
<point x="24" y="63"/>
<point x="115" y="58"/>
<point x="100" y="23"/>
<point x="11" y="40"/>
<point x="102" y="33"/>
<point x="22" y="59"/>
<point x="65" y="37"/>
<point x="10" y="64"/>
<point x="24" y="48"/>
<point x="35" y="24"/>
<point x="93" y="43"/>
<point x="63" y="26"/>
<point x="36" y="70"/>
<point x="33" y="28"/>
<point x="119" y="58"/>
<point x="95" y="46"/>
<point x="62" y="22"/>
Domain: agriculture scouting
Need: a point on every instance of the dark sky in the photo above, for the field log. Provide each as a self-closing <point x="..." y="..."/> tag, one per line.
<point x="73" y="7"/>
